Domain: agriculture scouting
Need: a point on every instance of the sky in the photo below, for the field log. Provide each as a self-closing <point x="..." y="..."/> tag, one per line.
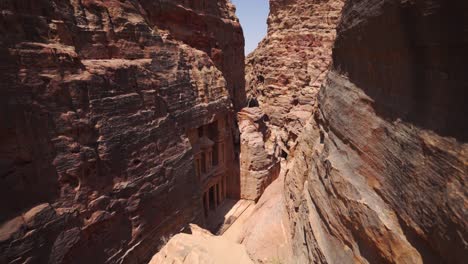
<point x="253" y="16"/>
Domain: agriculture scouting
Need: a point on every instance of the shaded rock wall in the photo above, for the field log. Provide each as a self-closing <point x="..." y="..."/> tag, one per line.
<point x="95" y="101"/>
<point x="210" y="26"/>
<point x="379" y="173"/>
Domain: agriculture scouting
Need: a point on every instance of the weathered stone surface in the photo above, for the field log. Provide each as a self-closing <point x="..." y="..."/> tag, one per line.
<point x="201" y="247"/>
<point x="379" y="173"/>
<point x="284" y="74"/>
<point x="258" y="163"/>
<point x="10" y="228"/>
<point x="264" y="229"/>
<point x="203" y="24"/>
<point x="39" y="215"/>
<point x="97" y="98"/>
<point x="95" y="101"/>
<point x="283" y="77"/>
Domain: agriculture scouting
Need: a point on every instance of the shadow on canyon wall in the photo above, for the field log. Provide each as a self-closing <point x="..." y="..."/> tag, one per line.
<point x="416" y="56"/>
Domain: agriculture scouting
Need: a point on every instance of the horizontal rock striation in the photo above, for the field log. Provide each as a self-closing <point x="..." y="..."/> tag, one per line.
<point x="379" y="173"/>
<point x="210" y="26"/>
<point x="95" y="101"/>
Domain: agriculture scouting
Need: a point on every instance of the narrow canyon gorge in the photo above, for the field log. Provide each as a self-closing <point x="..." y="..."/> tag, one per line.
<point x="137" y="131"/>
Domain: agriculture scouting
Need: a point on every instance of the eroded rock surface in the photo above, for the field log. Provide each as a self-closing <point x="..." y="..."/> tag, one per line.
<point x="95" y="101"/>
<point x="201" y="247"/>
<point x="379" y="174"/>
<point x="264" y="229"/>
<point x="284" y="74"/>
<point x="97" y="98"/>
<point x="259" y="165"/>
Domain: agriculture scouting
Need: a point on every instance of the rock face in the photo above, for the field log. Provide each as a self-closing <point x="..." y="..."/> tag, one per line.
<point x="111" y="114"/>
<point x="258" y="163"/>
<point x="379" y="173"/>
<point x="201" y="247"/>
<point x="95" y="101"/>
<point x="264" y="228"/>
<point x="285" y="72"/>
<point x="283" y="77"/>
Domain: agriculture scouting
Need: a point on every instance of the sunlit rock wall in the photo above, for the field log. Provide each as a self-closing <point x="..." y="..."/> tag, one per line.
<point x="379" y="173"/>
<point x="286" y="70"/>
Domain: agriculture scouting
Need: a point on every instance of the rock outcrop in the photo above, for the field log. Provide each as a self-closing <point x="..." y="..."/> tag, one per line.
<point x="118" y="128"/>
<point x="96" y="98"/>
<point x="264" y="229"/>
<point x="259" y="165"/>
<point x="201" y="247"/>
<point x="379" y="174"/>
<point x="284" y="74"/>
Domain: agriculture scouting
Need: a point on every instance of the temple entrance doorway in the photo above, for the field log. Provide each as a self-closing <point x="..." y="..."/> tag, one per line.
<point x="212" y="198"/>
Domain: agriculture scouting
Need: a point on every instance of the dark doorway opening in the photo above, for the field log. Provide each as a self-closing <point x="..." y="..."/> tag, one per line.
<point x="205" y="203"/>
<point x="212" y="198"/>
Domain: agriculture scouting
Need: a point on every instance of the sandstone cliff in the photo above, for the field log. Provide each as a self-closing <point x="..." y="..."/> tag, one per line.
<point x="284" y="74"/>
<point x="96" y="98"/>
<point x="259" y="165"/>
<point x="379" y="173"/>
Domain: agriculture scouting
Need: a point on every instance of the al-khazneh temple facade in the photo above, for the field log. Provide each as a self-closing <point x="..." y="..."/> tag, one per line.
<point x="208" y="143"/>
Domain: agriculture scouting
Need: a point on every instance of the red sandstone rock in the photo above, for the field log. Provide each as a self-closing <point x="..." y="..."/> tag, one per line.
<point x="378" y="175"/>
<point x="258" y="163"/>
<point x="285" y="72"/>
<point x="378" y="172"/>
<point x="283" y="76"/>
<point x="99" y="101"/>
<point x="264" y="228"/>
<point x="96" y="98"/>
<point x="201" y="247"/>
